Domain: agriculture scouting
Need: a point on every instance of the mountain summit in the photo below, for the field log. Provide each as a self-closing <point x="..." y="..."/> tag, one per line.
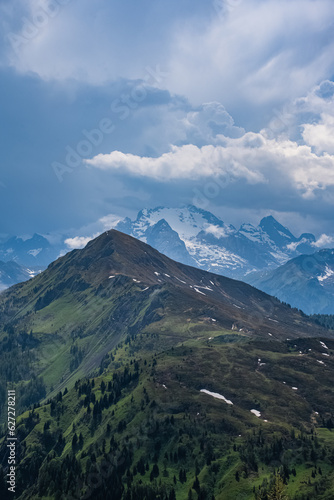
<point x="118" y="285"/>
<point x="277" y="233"/>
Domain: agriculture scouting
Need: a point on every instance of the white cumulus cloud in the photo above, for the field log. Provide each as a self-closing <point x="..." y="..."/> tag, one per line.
<point x="79" y="241"/>
<point x="182" y="162"/>
<point x="216" y="231"/>
<point x="252" y="158"/>
<point x="321" y="135"/>
<point x="324" y="241"/>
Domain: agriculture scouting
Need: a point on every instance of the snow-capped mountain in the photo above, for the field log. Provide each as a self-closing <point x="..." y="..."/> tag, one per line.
<point x="11" y="273"/>
<point x="34" y="252"/>
<point x="188" y="235"/>
<point x="199" y="238"/>
<point x="305" y="282"/>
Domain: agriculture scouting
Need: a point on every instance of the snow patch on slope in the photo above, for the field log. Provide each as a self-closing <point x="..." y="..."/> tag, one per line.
<point x="328" y="273"/>
<point x="217" y="396"/>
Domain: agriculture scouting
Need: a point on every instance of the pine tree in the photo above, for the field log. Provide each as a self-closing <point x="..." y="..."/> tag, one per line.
<point x="196" y="484"/>
<point x="3" y="487"/>
<point x="172" y="495"/>
<point x="277" y="490"/>
<point x="74" y="440"/>
<point x="155" y="472"/>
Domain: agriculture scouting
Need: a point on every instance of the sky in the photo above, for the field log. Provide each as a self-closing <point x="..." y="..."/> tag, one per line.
<point x="108" y="107"/>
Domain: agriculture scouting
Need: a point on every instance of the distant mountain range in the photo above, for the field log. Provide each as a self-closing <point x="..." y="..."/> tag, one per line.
<point x="11" y="273"/>
<point x="199" y="238"/>
<point x="21" y="259"/>
<point x="35" y="252"/>
<point x="306" y="282"/>
<point x="267" y="256"/>
<point x="189" y="235"/>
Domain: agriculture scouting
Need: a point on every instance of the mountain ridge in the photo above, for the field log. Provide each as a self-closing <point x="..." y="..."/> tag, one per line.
<point x="121" y="285"/>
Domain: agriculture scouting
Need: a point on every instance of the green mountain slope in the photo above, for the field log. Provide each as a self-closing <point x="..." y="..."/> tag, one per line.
<point x="115" y="344"/>
<point x="60" y="324"/>
<point x="143" y="429"/>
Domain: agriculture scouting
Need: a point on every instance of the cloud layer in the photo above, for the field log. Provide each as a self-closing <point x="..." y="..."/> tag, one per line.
<point x="255" y="51"/>
<point x="288" y="166"/>
<point x="242" y="100"/>
<point x="253" y="158"/>
<point x="259" y="51"/>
